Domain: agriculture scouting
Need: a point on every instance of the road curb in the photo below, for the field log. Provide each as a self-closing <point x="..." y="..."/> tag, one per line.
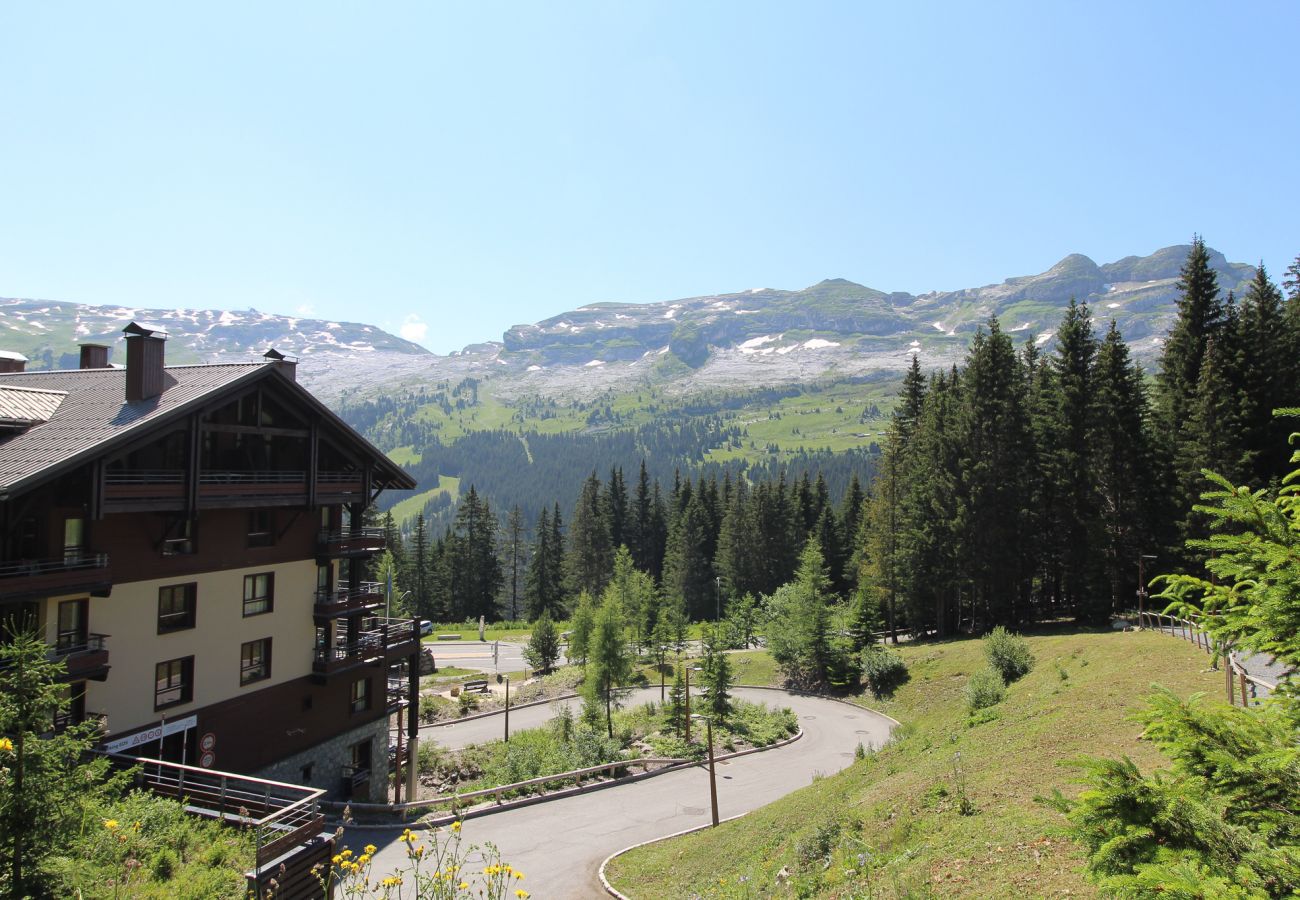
<point x="484" y="715"/>
<point x="615" y="892"/>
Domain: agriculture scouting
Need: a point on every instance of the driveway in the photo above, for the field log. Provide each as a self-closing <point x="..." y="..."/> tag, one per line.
<point x="559" y="845"/>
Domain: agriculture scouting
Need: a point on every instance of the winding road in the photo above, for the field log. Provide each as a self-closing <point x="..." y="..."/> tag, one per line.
<point x="560" y="844"/>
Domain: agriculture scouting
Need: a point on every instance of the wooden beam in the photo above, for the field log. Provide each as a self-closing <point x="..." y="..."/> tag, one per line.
<point x="313" y="462"/>
<point x="195" y="459"/>
<point x="259" y="429"/>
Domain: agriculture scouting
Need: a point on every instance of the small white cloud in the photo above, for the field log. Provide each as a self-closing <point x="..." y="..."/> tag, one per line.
<point x="413" y="329"/>
<point x="306" y="310"/>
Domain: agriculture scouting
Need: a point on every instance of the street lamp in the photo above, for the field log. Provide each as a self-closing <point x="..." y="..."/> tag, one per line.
<point x="713" y="778"/>
<point x="717" y="580"/>
<point x="1142" y="585"/>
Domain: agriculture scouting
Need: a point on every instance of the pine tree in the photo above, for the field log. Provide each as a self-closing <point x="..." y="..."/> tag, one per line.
<point x="996" y="441"/>
<point x="908" y="412"/>
<point x="737" y="544"/>
<point x="634" y="591"/>
<point x="716" y="678"/>
<point x="1123" y="463"/>
<point x="1200" y="314"/>
<point x="515" y="562"/>
<point x="1264" y="363"/>
<point x="1072" y="415"/>
<point x="609" y="665"/>
<point x="639" y="532"/>
<point x="688" y="570"/>
<point x="543" y="645"/>
<point x="420" y="577"/>
<point x="537" y="599"/>
<point x="590" y="555"/>
<point x="677" y="704"/>
<point x="581" y="625"/>
<point x="799" y="632"/>
<point x="615" y="505"/>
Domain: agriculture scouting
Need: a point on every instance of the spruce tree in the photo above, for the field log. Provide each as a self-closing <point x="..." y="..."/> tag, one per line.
<point x="688" y="570"/>
<point x="590" y="555"/>
<point x="799" y="632"/>
<point x="1122" y="459"/>
<point x="1264" y="362"/>
<point x="715" y="677"/>
<point x="1200" y="314"/>
<point x="543" y="647"/>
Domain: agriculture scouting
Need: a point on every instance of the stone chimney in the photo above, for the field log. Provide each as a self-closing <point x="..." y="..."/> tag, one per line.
<point x="288" y="365"/>
<point x="12" y="362"/>
<point x="144" y="361"/>
<point x="94" y="356"/>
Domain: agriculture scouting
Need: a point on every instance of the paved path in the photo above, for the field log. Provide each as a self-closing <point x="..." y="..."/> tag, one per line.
<point x="559" y="845"/>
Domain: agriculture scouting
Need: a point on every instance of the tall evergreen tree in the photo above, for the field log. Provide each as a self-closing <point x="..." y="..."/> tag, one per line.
<point x="609" y="665"/>
<point x="590" y="555"/>
<point x="1265" y="366"/>
<point x="615" y="505"/>
<point x="1200" y="314"/>
<point x="688" y="570"/>
<point x="995" y="440"/>
<point x="515" y="561"/>
<point x="1122" y="460"/>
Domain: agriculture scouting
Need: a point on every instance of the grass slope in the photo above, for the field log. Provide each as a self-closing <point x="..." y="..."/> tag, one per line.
<point x="890" y="824"/>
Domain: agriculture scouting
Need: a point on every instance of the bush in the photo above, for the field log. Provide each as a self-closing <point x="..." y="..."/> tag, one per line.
<point x="1008" y="654"/>
<point x="885" y="671"/>
<point x="985" y="689"/>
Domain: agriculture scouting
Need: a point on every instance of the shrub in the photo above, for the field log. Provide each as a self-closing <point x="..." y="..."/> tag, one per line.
<point x="1008" y="654"/>
<point x="885" y="671"/>
<point x="985" y="689"/>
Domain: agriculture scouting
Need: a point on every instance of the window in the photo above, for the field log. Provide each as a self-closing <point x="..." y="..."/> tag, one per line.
<point x="360" y="695"/>
<point x="72" y="626"/>
<point x="179" y="540"/>
<point x="258" y="593"/>
<point x="75" y="712"/>
<point x="74" y="540"/>
<point x="261" y="528"/>
<point x="173" y="682"/>
<point x="176" y="607"/>
<point x="255" y="661"/>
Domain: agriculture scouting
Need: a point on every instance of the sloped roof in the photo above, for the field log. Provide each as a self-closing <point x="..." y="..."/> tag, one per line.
<point x="22" y="406"/>
<point x="94" y="417"/>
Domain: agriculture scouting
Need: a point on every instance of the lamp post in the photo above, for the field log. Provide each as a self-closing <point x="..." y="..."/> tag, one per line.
<point x="507" y="709"/>
<point x="713" y="778"/>
<point x="717" y="581"/>
<point x="686" y="669"/>
<point x="1142" y="585"/>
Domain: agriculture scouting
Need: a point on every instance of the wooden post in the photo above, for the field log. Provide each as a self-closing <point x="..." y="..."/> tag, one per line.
<point x="713" y="779"/>
<point x="397" y="776"/>
<point x="1244" y="701"/>
<point x="507" y="709"/>
<point x="687" y="670"/>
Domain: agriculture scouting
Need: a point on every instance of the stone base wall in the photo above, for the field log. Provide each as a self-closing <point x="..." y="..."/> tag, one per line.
<point x="328" y="758"/>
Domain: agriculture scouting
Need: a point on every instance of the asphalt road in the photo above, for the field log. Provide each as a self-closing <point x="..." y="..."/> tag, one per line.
<point x="559" y="845"/>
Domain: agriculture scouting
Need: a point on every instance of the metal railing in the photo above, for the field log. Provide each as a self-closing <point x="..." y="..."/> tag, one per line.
<point x="29" y="567"/>
<point x="340" y="477"/>
<point x="90" y="643"/>
<point x="145" y="476"/>
<point x="282" y="815"/>
<point x="344" y="599"/>
<point x="253" y="476"/>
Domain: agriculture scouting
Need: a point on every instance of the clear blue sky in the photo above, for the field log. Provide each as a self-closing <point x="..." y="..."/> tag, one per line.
<point x="472" y="166"/>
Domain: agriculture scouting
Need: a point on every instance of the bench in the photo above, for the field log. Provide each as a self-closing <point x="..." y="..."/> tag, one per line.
<point x="480" y="687"/>
<point x="449" y="637"/>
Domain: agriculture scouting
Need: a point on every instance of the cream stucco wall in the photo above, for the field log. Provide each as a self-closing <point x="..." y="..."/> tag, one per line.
<point x="130" y="618"/>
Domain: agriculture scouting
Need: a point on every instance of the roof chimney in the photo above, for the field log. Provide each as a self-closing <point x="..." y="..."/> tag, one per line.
<point x="12" y="362"/>
<point x="288" y="365"/>
<point x="144" y="361"/>
<point x="94" y="356"/>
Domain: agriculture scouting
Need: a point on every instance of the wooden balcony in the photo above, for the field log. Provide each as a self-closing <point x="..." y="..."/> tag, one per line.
<point x="144" y="489"/>
<point x="28" y="578"/>
<point x="344" y="602"/>
<point x="349" y="542"/>
<point x="384" y="641"/>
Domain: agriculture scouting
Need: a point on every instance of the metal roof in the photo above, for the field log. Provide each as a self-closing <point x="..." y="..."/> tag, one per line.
<point x="93" y="417"/>
<point x="24" y="406"/>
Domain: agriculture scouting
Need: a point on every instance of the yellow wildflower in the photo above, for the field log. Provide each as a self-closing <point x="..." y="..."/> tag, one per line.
<point x="519" y="875"/>
<point x="6" y="744"/>
<point x="464" y="886"/>
<point x="371" y="849"/>
<point x="337" y="859"/>
<point x="521" y="893"/>
<point x="363" y="859"/>
<point x="110" y="824"/>
<point x="392" y="881"/>
<point x="455" y="826"/>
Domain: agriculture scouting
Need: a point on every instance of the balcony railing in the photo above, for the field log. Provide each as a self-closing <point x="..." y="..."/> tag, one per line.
<point x="350" y="541"/>
<point x="281" y="815"/>
<point x="343" y="601"/>
<point x="84" y="658"/>
<point x="66" y="574"/>
<point x="383" y="640"/>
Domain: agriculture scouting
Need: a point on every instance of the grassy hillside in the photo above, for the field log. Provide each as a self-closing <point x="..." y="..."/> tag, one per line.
<point x="891" y="825"/>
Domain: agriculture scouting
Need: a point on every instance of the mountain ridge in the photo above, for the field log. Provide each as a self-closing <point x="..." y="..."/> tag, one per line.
<point x="760" y="336"/>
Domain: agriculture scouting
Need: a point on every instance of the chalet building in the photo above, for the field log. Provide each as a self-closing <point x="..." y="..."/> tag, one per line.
<point x="188" y="540"/>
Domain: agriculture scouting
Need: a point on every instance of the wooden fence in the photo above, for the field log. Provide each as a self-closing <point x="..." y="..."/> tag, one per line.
<point x="1242" y="686"/>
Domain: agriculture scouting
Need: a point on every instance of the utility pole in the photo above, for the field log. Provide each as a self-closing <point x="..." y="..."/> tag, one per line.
<point x="507" y="709"/>
<point x="713" y="778"/>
